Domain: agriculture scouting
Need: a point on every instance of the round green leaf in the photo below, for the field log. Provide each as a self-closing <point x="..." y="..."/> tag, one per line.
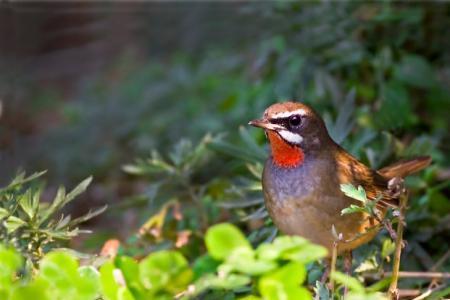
<point x="243" y="260"/>
<point x="222" y="239"/>
<point x="10" y="261"/>
<point x="165" y="270"/>
<point x="203" y="265"/>
<point x="37" y="289"/>
<point x="112" y="283"/>
<point x="284" y="283"/>
<point x="228" y="282"/>
<point x="60" y="269"/>
<point x="88" y="283"/>
<point x="130" y="271"/>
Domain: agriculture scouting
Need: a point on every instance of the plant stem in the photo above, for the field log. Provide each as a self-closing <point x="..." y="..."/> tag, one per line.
<point x="393" y="291"/>
<point x="333" y="265"/>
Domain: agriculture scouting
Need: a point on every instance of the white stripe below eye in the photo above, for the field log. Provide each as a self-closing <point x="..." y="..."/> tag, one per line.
<point x="287" y="114"/>
<point x="292" y="138"/>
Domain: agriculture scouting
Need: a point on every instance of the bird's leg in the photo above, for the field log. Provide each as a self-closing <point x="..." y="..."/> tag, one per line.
<point x="399" y="243"/>
<point x="348" y="257"/>
<point x="326" y="271"/>
<point x="396" y="187"/>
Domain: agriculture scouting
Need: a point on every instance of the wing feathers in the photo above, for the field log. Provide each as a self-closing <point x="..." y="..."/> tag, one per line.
<point x="404" y="168"/>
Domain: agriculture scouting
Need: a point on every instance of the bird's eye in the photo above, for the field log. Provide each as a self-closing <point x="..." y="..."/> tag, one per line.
<point x="294" y="121"/>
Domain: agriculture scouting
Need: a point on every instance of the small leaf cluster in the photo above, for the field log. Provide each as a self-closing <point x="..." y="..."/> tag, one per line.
<point x="180" y="192"/>
<point x="273" y="270"/>
<point x="59" y="277"/>
<point x="34" y="226"/>
<point x="161" y="275"/>
<point x="358" y="193"/>
<point x="231" y="266"/>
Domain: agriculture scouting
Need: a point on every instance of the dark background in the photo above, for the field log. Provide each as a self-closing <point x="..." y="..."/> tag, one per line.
<point x="86" y="88"/>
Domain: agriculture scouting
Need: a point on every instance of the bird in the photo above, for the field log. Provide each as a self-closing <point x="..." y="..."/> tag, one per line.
<point x="302" y="177"/>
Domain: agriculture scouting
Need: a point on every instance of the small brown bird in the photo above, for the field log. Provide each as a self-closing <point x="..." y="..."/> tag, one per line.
<point x="302" y="177"/>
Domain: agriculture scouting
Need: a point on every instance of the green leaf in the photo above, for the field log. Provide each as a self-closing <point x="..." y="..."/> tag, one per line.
<point x="37" y="289"/>
<point x="250" y="297"/>
<point x="395" y="110"/>
<point x="13" y="223"/>
<point x="345" y="118"/>
<point x="284" y="283"/>
<point x="353" y="209"/>
<point x="165" y="270"/>
<point x="291" y="248"/>
<point x="204" y="264"/>
<point x="251" y="144"/>
<point x="60" y="269"/>
<point x="350" y="191"/>
<point x="10" y="262"/>
<point x="61" y="199"/>
<point x="112" y="283"/>
<point x="79" y="189"/>
<point x="322" y="291"/>
<point x="3" y="213"/>
<point x="88" y="282"/>
<point x="89" y="215"/>
<point x="133" y="169"/>
<point x="243" y="260"/>
<point x="28" y="203"/>
<point x="228" y="282"/>
<point x="387" y="248"/>
<point x="415" y="70"/>
<point x="222" y="239"/>
<point x="352" y="283"/>
<point x="130" y="271"/>
<point x="306" y="253"/>
<point x="20" y="180"/>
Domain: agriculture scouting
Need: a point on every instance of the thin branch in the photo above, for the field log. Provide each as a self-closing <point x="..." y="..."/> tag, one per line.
<point x="333" y="265"/>
<point x="436" y="266"/>
<point x="405" y="293"/>
<point x="439" y="275"/>
<point x="429" y="292"/>
<point x="403" y="199"/>
<point x="407" y="274"/>
<point x="442" y="260"/>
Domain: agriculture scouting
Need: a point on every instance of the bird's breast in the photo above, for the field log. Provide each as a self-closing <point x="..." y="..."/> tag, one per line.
<point x="307" y="201"/>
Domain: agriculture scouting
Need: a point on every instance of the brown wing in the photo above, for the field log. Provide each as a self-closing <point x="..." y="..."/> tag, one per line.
<point x="406" y="167"/>
<point x="351" y="170"/>
<point x="376" y="182"/>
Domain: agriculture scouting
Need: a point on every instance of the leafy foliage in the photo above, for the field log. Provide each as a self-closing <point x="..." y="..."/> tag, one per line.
<point x="164" y="274"/>
<point x="34" y="226"/>
<point x="377" y="72"/>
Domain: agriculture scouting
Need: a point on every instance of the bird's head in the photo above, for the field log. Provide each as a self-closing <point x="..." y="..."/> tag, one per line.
<point x="292" y="129"/>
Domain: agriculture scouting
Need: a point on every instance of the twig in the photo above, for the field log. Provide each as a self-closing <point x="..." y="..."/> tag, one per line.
<point x="429" y="292"/>
<point x="439" y="275"/>
<point x="403" y="293"/>
<point x="388" y="225"/>
<point x="436" y="266"/>
<point x="442" y="260"/>
<point x="407" y="274"/>
<point x="333" y="265"/>
<point x="403" y="199"/>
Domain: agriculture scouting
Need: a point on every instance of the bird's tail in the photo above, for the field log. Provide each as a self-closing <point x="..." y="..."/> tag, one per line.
<point x="406" y="167"/>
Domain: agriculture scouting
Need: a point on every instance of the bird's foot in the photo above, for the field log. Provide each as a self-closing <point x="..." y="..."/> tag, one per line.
<point x="388" y="225"/>
<point x="396" y="187"/>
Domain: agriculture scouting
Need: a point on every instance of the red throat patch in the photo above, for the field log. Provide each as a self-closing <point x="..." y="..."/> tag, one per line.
<point x="284" y="154"/>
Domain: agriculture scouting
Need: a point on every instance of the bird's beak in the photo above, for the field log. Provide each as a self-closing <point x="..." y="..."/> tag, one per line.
<point x="265" y="124"/>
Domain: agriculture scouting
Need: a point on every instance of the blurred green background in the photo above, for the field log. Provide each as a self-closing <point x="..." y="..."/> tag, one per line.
<point x="87" y="88"/>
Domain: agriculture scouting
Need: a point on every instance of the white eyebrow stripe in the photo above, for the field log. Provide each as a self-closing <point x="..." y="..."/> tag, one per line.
<point x="287" y="114"/>
<point x="292" y="138"/>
